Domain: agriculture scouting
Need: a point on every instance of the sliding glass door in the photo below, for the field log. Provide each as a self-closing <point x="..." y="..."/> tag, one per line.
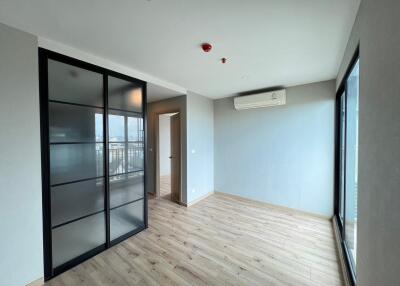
<point x="76" y="161"/>
<point x="126" y="156"/>
<point x="347" y="191"/>
<point x="93" y="158"/>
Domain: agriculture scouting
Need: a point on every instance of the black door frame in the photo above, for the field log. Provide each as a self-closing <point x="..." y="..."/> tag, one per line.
<point x="44" y="55"/>
<point x="342" y="91"/>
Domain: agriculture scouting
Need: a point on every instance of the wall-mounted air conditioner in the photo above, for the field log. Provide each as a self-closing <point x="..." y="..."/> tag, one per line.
<point x="273" y="98"/>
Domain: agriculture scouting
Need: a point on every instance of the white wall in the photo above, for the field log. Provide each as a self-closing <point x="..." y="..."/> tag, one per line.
<point x="21" y="254"/>
<point x="282" y="155"/>
<point x="164" y="128"/>
<point x="378" y="236"/>
<point x="200" y="146"/>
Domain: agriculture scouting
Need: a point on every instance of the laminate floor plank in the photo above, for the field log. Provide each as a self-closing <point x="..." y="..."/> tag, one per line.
<point x="221" y="240"/>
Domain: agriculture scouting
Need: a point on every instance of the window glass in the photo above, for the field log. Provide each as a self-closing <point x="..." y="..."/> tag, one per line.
<point x="351" y="183"/>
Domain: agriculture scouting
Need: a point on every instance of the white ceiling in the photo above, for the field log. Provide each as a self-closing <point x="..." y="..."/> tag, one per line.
<point x="267" y="42"/>
<point x="156" y="92"/>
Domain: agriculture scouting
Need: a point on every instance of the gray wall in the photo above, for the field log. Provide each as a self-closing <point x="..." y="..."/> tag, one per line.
<point x="165" y="144"/>
<point x="379" y="141"/>
<point x="153" y="109"/>
<point x="200" y="146"/>
<point x="21" y="256"/>
<point x="282" y="155"/>
<point x="349" y="52"/>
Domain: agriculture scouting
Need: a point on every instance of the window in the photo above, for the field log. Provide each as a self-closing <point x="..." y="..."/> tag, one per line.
<point x="347" y="191"/>
<point x="351" y="189"/>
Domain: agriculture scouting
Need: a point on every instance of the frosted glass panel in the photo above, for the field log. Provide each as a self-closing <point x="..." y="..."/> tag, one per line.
<point x="126" y="219"/>
<point x="74" y="239"/>
<point x="75" y="162"/>
<point x="126" y="188"/>
<point x="72" y="201"/>
<point x="78" y="186"/>
<point x="75" y="85"/>
<point x="70" y="123"/>
<point x="124" y="95"/>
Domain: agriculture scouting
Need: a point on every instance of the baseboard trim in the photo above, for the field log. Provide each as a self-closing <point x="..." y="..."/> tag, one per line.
<point x="276" y="206"/>
<point x="197" y="200"/>
<point x="38" y="282"/>
<point x="345" y="272"/>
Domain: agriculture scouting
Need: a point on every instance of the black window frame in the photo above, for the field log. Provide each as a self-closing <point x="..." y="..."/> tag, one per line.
<point x="342" y="91"/>
<point x="44" y="55"/>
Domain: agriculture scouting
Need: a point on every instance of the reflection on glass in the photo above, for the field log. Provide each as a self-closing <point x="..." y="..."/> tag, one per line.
<point x="75" y="85"/>
<point x="124" y="95"/>
<point x="352" y="96"/>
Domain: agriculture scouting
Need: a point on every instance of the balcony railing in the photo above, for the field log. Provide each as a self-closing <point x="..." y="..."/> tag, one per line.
<point x="123" y="158"/>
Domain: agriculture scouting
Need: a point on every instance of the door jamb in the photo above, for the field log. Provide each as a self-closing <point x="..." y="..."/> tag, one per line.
<point x="157" y="151"/>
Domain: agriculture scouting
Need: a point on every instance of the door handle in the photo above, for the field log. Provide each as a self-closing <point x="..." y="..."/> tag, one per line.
<point x="171" y="157"/>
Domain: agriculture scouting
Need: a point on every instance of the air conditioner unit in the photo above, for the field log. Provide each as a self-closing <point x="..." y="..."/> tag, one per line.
<point x="273" y="98"/>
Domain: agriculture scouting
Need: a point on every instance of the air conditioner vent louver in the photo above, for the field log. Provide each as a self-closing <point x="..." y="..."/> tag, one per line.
<point x="273" y="98"/>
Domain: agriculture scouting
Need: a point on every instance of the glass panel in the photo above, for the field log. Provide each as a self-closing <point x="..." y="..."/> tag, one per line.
<point x="75" y="200"/>
<point x="71" y="162"/>
<point x="342" y="153"/>
<point x="124" y="95"/>
<point x="352" y="94"/>
<point x="75" y="85"/>
<point x="126" y="219"/>
<point x="125" y="157"/>
<point x="69" y="123"/>
<point x="126" y="188"/>
<point x="117" y="158"/>
<point x="74" y="239"/>
<point x="135" y="157"/>
<point x="135" y="129"/>
<point x="116" y="125"/>
<point x="124" y="125"/>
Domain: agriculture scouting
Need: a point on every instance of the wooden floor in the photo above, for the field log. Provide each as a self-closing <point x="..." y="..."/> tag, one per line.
<point x="165" y="186"/>
<point x="221" y="240"/>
